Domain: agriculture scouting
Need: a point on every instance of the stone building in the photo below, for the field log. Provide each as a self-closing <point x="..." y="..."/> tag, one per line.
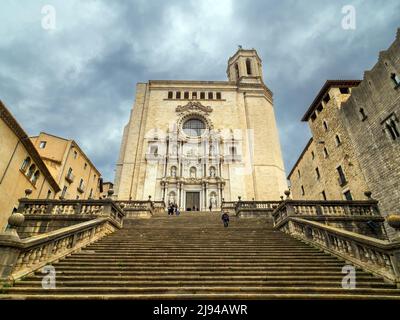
<point x="106" y="187"/>
<point x="195" y="142"/>
<point x="21" y="168"/>
<point x="328" y="168"/>
<point x="76" y="175"/>
<point x="372" y="119"/>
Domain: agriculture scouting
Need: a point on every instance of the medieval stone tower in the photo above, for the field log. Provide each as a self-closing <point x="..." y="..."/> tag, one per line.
<point x="195" y="143"/>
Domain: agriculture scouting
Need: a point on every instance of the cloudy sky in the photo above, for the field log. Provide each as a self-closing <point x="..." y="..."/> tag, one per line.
<point x="78" y="80"/>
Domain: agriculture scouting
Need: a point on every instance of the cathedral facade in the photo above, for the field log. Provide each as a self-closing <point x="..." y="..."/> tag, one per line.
<point x="198" y="143"/>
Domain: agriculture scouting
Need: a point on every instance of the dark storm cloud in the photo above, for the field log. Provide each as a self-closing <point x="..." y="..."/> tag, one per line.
<point x="78" y="80"/>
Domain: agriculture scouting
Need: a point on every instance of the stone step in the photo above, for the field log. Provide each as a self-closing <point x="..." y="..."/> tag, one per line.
<point x="201" y="289"/>
<point x="27" y="284"/>
<point x="203" y="296"/>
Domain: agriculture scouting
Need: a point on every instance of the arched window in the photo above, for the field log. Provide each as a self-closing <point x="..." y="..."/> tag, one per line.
<point x="31" y="171"/>
<point x="237" y="71"/>
<point x="194" y="127"/>
<point x="248" y="66"/>
<point x="26" y="164"/>
<point x="35" y="177"/>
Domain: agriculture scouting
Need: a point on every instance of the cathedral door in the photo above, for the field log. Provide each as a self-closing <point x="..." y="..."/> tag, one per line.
<point x="192" y="201"/>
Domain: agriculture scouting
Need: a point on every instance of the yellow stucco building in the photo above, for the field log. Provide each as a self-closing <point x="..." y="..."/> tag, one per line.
<point x="21" y="168"/>
<point x="76" y="175"/>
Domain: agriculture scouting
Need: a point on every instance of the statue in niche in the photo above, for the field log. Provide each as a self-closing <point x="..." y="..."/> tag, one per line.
<point x="193" y="172"/>
<point x="172" y="197"/>
<point x="213" y="200"/>
<point x="212" y="172"/>
<point x="173" y="171"/>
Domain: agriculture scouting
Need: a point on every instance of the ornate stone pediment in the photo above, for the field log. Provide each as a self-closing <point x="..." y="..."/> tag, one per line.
<point x="193" y="106"/>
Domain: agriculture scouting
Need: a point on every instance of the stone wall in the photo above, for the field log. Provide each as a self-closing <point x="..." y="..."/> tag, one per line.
<point x="377" y="151"/>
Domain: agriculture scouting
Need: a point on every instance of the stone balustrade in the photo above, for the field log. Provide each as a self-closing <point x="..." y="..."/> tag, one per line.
<point x="255" y="208"/>
<point x="102" y="207"/>
<point x="377" y="256"/>
<point x="137" y="208"/>
<point x="368" y="208"/>
<point x="21" y="257"/>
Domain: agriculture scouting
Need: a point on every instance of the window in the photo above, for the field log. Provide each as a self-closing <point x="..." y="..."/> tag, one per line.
<point x="26" y="164"/>
<point x="91" y="194"/>
<point x="64" y="192"/>
<point x="81" y="183"/>
<point x="323" y="195"/>
<point x="338" y="141"/>
<point x="85" y="166"/>
<point x="248" y="66"/>
<point x="42" y="144"/>
<point x="194" y="95"/>
<point x="69" y="175"/>
<point x="313" y="117"/>
<point x="362" y="113"/>
<point x="320" y="107"/>
<point x="312" y="155"/>
<point x="325" y="125"/>
<point x="232" y="151"/>
<point x="342" y="177"/>
<point x="48" y="194"/>
<point x="326" y="154"/>
<point x="178" y="95"/>
<point x="186" y="95"/>
<point x="77" y="197"/>
<point x="395" y="78"/>
<point x="202" y="95"/>
<point x="31" y="171"/>
<point x="210" y="95"/>
<point x="237" y="71"/>
<point x="348" y="196"/>
<point x="317" y="173"/>
<point x="35" y="177"/>
<point x="194" y="127"/>
<point x="326" y="98"/>
<point x="170" y="94"/>
<point x="218" y="95"/>
<point x="392" y="128"/>
<point x="344" y="90"/>
<point x="75" y="154"/>
<point x="298" y="173"/>
<point x="302" y="191"/>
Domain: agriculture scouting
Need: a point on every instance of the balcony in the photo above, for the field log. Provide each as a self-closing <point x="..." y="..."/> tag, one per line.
<point x="70" y="177"/>
<point x="81" y="188"/>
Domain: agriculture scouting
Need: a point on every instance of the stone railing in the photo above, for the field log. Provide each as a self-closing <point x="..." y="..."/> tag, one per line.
<point x="307" y="208"/>
<point x="22" y="257"/>
<point x="255" y="208"/>
<point x="377" y="256"/>
<point x="228" y="206"/>
<point x="95" y="208"/>
<point x="159" y="206"/>
<point x="359" y="216"/>
<point x="137" y="208"/>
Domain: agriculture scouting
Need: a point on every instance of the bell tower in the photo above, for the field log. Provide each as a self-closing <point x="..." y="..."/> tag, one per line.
<point x="245" y="66"/>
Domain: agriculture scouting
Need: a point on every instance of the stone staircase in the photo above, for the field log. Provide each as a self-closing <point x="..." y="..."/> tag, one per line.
<point x="192" y="256"/>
